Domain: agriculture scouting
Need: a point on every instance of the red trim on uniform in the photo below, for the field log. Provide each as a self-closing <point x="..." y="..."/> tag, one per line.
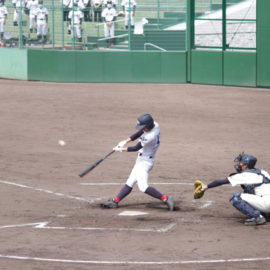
<point x="116" y="199"/>
<point x="164" y="198"/>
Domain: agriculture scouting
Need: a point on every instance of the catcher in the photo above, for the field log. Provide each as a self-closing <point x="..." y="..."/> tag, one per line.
<point x="254" y="201"/>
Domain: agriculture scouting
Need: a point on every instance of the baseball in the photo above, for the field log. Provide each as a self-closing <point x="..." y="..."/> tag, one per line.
<point x="61" y="142"/>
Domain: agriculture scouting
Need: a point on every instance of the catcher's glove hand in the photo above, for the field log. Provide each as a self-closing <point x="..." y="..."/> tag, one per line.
<point x="198" y="192"/>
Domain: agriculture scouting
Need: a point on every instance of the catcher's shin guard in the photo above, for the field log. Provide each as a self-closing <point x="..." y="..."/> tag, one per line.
<point x="243" y="206"/>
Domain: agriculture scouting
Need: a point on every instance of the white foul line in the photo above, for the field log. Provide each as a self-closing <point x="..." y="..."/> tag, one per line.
<point x="51" y="192"/>
<point x="133" y="262"/>
<point x="43" y="225"/>
<point x="117" y="184"/>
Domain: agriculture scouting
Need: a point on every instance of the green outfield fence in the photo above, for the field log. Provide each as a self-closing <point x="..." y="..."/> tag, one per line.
<point x="224" y="42"/>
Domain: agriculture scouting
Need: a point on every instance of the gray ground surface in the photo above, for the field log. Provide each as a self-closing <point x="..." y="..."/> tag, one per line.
<point x="203" y="129"/>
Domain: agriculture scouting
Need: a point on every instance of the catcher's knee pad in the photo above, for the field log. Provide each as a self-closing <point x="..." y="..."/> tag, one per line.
<point x="243" y="206"/>
<point x="235" y="198"/>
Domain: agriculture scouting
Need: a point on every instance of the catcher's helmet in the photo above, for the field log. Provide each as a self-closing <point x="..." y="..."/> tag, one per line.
<point x="145" y="121"/>
<point x="243" y="158"/>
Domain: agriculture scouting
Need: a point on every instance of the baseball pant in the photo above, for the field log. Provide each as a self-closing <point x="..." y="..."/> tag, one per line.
<point x="140" y="173"/>
<point x="41" y="28"/>
<point x="127" y="18"/>
<point x="32" y="22"/>
<point x="260" y="203"/>
<point x="2" y="25"/>
<point x="109" y="30"/>
<point x="17" y="15"/>
<point x="76" y="30"/>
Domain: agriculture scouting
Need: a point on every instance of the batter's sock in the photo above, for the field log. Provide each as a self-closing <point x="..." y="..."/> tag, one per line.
<point x="123" y="193"/>
<point x="155" y="193"/>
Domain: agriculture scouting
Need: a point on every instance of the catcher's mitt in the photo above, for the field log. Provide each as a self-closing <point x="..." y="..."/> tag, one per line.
<point x="198" y="193"/>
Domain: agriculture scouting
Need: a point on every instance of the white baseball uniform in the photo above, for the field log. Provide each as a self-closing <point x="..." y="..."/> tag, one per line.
<point x="150" y="142"/>
<point x="261" y="199"/>
<point x="109" y="14"/>
<point x="32" y="5"/>
<point x="41" y="18"/>
<point x="129" y="7"/>
<point x="19" y="9"/>
<point x="75" y="17"/>
<point x="3" y="16"/>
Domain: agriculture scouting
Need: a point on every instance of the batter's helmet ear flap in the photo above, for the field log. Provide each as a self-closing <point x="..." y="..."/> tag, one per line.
<point x="145" y="121"/>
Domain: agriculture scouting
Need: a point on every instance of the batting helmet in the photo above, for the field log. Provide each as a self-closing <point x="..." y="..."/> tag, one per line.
<point x="246" y="159"/>
<point x="145" y="121"/>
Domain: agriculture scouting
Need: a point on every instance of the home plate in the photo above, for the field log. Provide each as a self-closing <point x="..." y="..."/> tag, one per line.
<point x="132" y="213"/>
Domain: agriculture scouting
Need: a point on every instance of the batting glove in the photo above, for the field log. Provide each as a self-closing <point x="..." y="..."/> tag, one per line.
<point x="121" y="144"/>
<point x="118" y="149"/>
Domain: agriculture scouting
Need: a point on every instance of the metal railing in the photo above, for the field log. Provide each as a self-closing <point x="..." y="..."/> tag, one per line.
<point x="153" y="45"/>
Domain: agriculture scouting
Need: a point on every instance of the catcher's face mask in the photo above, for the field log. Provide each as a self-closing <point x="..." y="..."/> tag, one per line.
<point x="244" y="159"/>
<point x="238" y="164"/>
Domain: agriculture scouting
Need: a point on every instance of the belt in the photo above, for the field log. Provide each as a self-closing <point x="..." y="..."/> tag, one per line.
<point x="145" y="155"/>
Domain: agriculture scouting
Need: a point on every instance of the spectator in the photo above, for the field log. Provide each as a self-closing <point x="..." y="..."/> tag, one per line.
<point x="42" y="21"/>
<point x="32" y="5"/>
<point x="87" y="11"/>
<point x="65" y="7"/>
<point x="3" y="18"/>
<point x="75" y="17"/>
<point x="109" y="16"/>
<point x="97" y="10"/>
<point x="19" y="6"/>
<point x="129" y="7"/>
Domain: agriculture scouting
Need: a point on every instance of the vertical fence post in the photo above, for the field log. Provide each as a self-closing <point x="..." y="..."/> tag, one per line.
<point x="20" y="15"/>
<point x="224" y="25"/>
<point x="158" y="15"/>
<point x="129" y="26"/>
<point x="62" y="24"/>
<point x="53" y="24"/>
<point x="190" y="11"/>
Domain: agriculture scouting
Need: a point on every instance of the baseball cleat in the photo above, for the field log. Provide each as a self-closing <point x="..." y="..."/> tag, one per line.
<point x="109" y="204"/>
<point x="255" y="221"/>
<point x="170" y="203"/>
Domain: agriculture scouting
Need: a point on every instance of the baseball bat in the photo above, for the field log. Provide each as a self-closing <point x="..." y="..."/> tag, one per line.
<point x="94" y="165"/>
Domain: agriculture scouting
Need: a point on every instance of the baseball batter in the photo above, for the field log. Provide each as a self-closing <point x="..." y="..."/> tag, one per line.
<point x="149" y="140"/>
<point x="109" y="15"/>
<point x="42" y="21"/>
<point x="129" y="7"/>
<point x="254" y="202"/>
<point x="3" y="19"/>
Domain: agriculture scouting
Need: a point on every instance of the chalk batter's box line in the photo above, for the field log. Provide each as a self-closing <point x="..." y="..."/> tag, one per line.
<point x="51" y="192"/>
<point x="205" y="204"/>
<point x="217" y="261"/>
<point x="117" y="184"/>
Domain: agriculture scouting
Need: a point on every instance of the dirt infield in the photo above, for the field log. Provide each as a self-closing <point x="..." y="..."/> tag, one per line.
<point x="51" y="219"/>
